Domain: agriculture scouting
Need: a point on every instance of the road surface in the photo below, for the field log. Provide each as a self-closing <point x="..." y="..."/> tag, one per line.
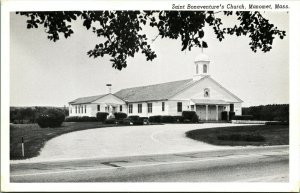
<point x="256" y="164"/>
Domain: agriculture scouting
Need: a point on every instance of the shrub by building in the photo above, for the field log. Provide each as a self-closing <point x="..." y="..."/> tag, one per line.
<point x="155" y="119"/>
<point x="133" y="117"/>
<point x="110" y="121"/>
<point x="178" y="119"/>
<point x="139" y="121"/>
<point x="224" y="116"/>
<point x="51" y="118"/>
<point x="80" y="119"/>
<point x="167" y="119"/>
<point x="231" y="115"/>
<point x="190" y="116"/>
<point x="101" y="116"/>
<point x="120" y="115"/>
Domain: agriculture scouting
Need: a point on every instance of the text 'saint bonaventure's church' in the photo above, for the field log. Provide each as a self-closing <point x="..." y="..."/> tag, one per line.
<point x="201" y="93"/>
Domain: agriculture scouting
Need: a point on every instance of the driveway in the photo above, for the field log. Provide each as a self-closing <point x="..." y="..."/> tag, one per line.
<point x="126" y="141"/>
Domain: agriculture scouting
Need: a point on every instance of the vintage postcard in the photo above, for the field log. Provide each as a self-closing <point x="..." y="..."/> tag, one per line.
<point x="150" y="96"/>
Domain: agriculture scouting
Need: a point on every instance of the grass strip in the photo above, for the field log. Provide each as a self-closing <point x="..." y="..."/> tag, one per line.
<point x="36" y="137"/>
<point x="256" y="135"/>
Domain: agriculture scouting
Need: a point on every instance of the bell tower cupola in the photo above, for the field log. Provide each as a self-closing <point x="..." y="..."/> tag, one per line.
<point x="201" y="66"/>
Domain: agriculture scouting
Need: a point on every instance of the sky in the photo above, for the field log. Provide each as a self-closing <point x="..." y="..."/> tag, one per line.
<point x="46" y="73"/>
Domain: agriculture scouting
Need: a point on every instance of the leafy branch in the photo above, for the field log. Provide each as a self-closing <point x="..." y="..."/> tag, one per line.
<point x="124" y="37"/>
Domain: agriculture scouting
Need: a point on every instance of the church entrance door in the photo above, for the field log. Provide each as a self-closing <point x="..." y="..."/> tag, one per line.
<point x="201" y="112"/>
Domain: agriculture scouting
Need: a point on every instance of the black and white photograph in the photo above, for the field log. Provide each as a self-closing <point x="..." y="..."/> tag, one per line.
<point x="189" y="93"/>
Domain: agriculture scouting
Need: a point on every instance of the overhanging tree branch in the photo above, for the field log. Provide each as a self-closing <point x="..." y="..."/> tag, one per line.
<point x="122" y="30"/>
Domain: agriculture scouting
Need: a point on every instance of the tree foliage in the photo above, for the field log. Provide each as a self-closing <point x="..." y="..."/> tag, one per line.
<point x="123" y="33"/>
<point x="275" y="112"/>
<point x="30" y="114"/>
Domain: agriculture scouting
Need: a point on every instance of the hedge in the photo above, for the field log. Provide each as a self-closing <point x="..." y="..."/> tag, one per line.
<point x="224" y="116"/>
<point x="190" y="116"/>
<point x="242" y="117"/>
<point x="120" y="115"/>
<point x="178" y="119"/>
<point x="133" y="117"/>
<point x="51" y="118"/>
<point x="139" y="121"/>
<point x="125" y="121"/>
<point x="231" y="115"/>
<point x="110" y="121"/>
<point x="101" y="116"/>
<point x="80" y="119"/>
<point x="167" y="119"/>
<point x="155" y="119"/>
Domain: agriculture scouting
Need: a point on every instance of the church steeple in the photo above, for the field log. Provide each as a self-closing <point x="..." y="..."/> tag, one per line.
<point x="201" y="66"/>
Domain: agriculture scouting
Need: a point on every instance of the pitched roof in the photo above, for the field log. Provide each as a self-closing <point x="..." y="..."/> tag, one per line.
<point x="87" y="99"/>
<point x="153" y="92"/>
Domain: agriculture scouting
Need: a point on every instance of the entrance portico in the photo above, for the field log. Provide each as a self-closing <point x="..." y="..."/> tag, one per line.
<point x="209" y="110"/>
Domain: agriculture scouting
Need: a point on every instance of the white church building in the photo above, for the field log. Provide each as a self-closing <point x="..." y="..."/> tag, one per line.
<point x="201" y="94"/>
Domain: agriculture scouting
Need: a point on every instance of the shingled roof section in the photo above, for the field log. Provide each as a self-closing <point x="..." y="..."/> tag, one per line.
<point x="153" y="92"/>
<point x="89" y="99"/>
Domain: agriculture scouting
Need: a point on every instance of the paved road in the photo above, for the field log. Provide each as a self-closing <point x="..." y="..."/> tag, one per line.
<point x="126" y="141"/>
<point x="262" y="164"/>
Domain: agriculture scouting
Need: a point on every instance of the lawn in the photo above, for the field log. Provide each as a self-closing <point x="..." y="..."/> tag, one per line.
<point x="36" y="137"/>
<point x="257" y="135"/>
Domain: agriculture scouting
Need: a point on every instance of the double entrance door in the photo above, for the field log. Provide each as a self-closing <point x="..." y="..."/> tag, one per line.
<point x="211" y="113"/>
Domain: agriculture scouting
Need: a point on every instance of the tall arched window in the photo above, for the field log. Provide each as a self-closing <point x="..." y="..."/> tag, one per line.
<point x="206" y="92"/>
<point x="204" y="68"/>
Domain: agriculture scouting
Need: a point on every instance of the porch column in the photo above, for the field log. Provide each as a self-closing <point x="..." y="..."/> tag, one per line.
<point x="217" y="113"/>
<point x="206" y="112"/>
<point x="228" y="112"/>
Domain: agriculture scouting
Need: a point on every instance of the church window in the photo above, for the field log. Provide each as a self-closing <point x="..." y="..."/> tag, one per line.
<point x="163" y="106"/>
<point x="140" y="108"/>
<point x="179" y="107"/>
<point x="98" y="107"/>
<point x="206" y="92"/>
<point x="204" y="68"/>
<point x="84" y="108"/>
<point x="130" y="108"/>
<point x="149" y="107"/>
<point x="121" y="108"/>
